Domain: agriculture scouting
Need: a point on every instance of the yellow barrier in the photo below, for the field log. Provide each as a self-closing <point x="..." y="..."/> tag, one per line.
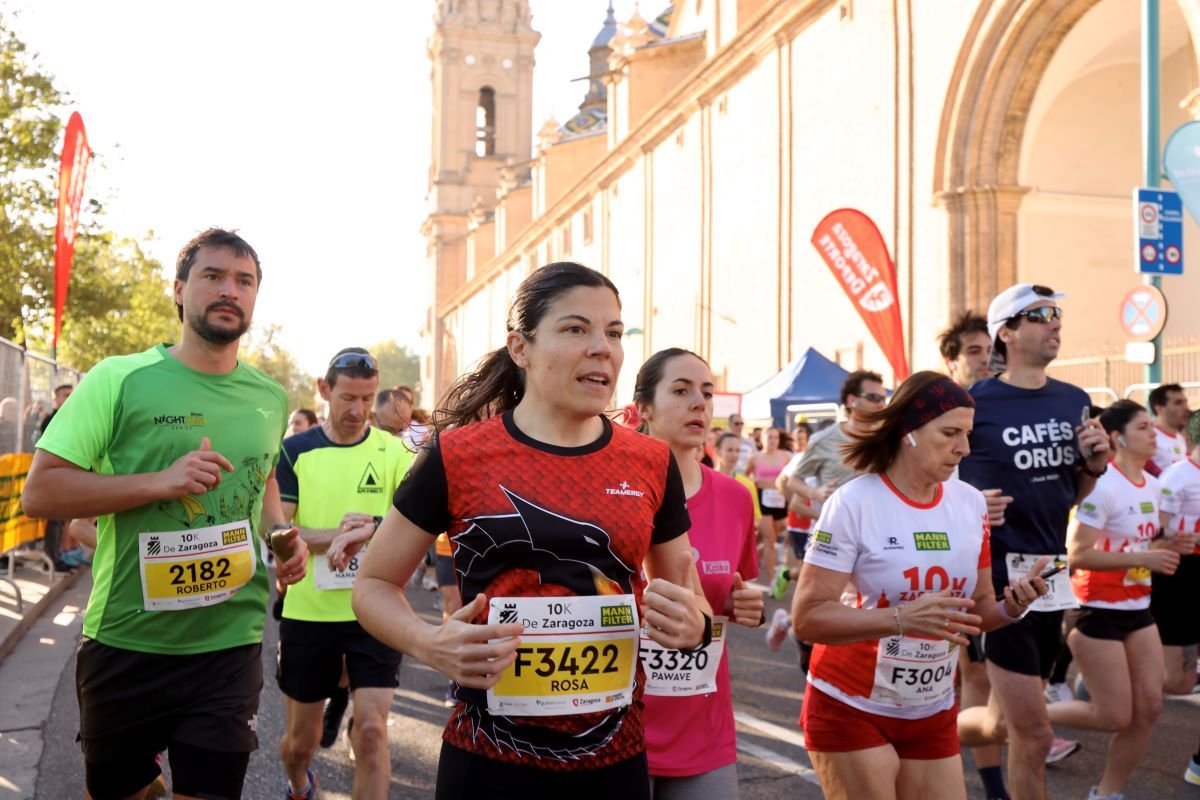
<point x="16" y="529"/>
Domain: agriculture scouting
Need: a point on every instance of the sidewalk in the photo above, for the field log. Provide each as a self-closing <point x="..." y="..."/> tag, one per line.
<point x="35" y="647"/>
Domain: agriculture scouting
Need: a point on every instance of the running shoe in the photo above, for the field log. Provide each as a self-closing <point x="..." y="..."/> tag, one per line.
<point x="1192" y="775"/>
<point x="778" y="629"/>
<point x="334" y="710"/>
<point x="779" y="586"/>
<point x="309" y="793"/>
<point x="1092" y="795"/>
<point x="428" y="583"/>
<point x="1058" y="693"/>
<point x="450" y="700"/>
<point x="70" y="558"/>
<point x="1062" y="748"/>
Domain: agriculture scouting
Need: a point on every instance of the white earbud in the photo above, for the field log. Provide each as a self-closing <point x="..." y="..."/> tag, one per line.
<point x="1122" y="441"/>
<point x="912" y="440"/>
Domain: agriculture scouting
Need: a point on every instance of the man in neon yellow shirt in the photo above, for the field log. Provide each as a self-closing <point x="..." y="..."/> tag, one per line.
<point x="336" y="482"/>
<point x="174" y="449"/>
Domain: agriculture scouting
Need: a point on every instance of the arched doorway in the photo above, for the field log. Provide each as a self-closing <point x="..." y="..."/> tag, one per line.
<point x="1043" y="94"/>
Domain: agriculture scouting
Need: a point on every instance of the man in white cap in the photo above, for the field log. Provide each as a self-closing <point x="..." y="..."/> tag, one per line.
<point x="1032" y="442"/>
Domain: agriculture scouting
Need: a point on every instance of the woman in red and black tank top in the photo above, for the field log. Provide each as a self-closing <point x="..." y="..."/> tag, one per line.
<point x="552" y="513"/>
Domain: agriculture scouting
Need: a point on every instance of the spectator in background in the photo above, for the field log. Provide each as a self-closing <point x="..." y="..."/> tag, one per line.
<point x="746" y="447"/>
<point x="392" y="411"/>
<point x="301" y="420"/>
<point x="418" y="428"/>
<point x="61" y="393"/>
<point x="1169" y="405"/>
<point x="966" y="348"/>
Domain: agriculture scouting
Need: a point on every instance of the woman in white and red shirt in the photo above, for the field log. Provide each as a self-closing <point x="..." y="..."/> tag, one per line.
<point x="879" y="712"/>
<point x="1113" y="547"/>
<point x="691" y="741"/>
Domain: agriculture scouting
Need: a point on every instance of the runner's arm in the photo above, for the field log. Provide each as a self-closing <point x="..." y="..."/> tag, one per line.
<point x="58" y="489"/>
<point x="1083" y="553"/>
<point x="1182" y="541"/>
<point x="458" y="649"/>
<point x="318" y="539"/>
<point x="1016" y="597"/>
<point x="83" y="531"/>
<point x="818" y="614"/>
<point x="674" y="604"/>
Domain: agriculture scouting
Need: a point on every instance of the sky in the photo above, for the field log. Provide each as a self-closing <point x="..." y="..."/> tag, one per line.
<point x="304" y="125"/>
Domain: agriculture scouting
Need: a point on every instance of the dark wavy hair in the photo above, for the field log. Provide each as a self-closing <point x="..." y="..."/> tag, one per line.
<point x="875" y="449"/>
<point x="497" y="384"/>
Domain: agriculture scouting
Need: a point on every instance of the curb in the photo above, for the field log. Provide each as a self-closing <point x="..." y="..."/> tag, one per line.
<point x="35" y="612"/>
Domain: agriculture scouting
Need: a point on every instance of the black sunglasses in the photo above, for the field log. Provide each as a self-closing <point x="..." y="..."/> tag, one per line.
<point x="873" y="397"/>
<point x="1041" y="316"/>
<point x="354" y="361"/>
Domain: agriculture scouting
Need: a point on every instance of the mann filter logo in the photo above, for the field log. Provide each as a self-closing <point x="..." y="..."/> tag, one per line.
<point x="824" y="537"/>
<point x="718" y="629"/>
<point x="613" y="616"/>
<point x="181" y="421"/>
<point x="931" y="540"/>
<point x="153" y="546"/>
<point x="233" y="536"/>
<point x="370" y="483"/>
<point x="1147" y="507"/>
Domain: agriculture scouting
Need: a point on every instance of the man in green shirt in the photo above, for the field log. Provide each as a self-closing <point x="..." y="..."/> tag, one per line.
<point x="336" y="482"/>
<point x="174" y="450"/>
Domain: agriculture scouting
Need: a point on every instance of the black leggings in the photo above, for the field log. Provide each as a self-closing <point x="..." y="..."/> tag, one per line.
<point x="467" y="776"/>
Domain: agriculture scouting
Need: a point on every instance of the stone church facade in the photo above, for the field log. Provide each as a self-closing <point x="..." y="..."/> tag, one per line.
<point x="992" y="141"/>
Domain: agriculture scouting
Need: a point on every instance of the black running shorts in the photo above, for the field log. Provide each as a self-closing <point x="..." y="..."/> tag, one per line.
<point x="467" y="776"/>
<point x="1028" y="646"/>
<point x="1113" y="624"/>
<point x="1175" y="603"/>
<point x="310" y="659"/>
<point x="134" y="705"/>
<point x="444" y="569"/>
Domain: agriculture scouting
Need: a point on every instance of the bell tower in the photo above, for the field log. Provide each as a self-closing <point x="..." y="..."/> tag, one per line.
<point x="482" y="73"/>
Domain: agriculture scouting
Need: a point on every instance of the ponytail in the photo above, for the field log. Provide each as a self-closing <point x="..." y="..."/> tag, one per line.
<point x="496" y="386"/>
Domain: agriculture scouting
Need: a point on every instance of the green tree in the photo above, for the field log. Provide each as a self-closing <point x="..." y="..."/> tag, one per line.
<point x="119" y="302"/>
<point x="397" y="365"/>
<point x="30" y="121"/>
<point x="261" y="349"/>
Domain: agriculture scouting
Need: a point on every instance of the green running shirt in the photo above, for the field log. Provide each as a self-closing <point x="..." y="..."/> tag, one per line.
<point x="326" y="481"/>
<point x="138" y="414"/>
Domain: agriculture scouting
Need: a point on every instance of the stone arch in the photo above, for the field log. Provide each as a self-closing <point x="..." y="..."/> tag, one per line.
<point x="1005" y="53"/>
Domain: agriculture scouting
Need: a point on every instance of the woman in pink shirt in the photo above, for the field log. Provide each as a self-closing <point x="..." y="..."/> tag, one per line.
<point x="690" y="735"/>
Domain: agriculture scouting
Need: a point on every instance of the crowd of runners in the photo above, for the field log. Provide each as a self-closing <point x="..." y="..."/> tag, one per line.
<point x="949" y="547"/>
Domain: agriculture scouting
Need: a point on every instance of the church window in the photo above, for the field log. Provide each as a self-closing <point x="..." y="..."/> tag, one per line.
<point x="485" y="122"/>
<point x="587" y="225"/>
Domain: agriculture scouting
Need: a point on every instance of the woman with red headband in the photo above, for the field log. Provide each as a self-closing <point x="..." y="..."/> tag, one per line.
<point x="879" y="712"/>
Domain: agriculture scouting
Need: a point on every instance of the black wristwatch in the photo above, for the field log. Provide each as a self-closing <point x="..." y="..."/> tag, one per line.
<point x="1085" y="469"/>
<point x="706" y="640"/>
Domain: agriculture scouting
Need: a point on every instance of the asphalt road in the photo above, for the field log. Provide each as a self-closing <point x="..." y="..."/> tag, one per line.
<point x="768" y="690"/>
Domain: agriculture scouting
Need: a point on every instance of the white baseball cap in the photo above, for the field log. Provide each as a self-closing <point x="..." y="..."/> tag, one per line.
<point x="1008" y="304"/>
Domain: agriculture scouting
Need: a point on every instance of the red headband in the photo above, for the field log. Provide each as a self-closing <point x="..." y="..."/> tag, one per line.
<point x="934" y="400"/>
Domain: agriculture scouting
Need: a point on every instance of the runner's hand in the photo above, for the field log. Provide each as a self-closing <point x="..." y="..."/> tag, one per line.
<point x="747" y="603"/>
<point x="1182" y="542"/>
<point x="193" y="473"/>
<point x="1093" y="442"/>
<point x="940" y="615"/>
<point x="823" y="492"/>
<point x="346" y="545"/>
<point x="294" y="569"/>
<point x="461" y="650"/>
<point x="353" y="519"/>
<point x="1161" y="560"/>
<point x="996" y="504"/>
<point x="669" y="609"/>
<point x="1023" y="591"/>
